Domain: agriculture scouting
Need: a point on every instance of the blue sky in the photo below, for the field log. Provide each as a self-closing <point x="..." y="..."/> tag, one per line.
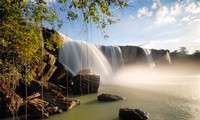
<point x="158" y="24"/>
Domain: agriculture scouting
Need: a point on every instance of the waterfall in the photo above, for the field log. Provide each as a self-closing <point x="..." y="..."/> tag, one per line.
<point x="149" y="57"/>
<point x="80" y="55"/>
<point x="168" y="57"/>
<point x="103" y="60"/>
<point x="113" y="55"/>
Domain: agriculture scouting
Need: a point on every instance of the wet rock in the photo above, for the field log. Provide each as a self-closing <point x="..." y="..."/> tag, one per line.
<point x="85" y="84"/>
<point x="86" y="72"/>
<point x="161" y="57"/>
<point x="109" y="97"/>
<point x="129" y="54"/>
<point x="132" y="114"/>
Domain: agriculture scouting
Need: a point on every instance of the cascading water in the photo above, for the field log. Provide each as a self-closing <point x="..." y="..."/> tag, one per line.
<point x="114" y="56"/>
<point x="80" y="55"/>
<point x="149" y="57"/>
<point x="168" y="58"/>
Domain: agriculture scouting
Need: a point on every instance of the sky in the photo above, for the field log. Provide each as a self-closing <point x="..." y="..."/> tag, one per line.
<point x="157" y="24"/>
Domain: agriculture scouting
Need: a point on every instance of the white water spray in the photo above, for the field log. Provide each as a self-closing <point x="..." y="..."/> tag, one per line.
<point x="149" y="57"/>
<point x="80" y="55"/>
<point x="114" y="56"/>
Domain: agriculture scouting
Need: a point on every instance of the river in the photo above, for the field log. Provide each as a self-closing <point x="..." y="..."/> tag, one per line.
<point x="164" y="97"/>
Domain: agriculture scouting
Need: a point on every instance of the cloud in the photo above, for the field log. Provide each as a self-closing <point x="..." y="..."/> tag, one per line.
<point x="167" y="15"/>
<point x="154" y="5"/>
<point x="163" y="44"/>
<point x="175" y="10"/>
<point x="190" y="19"/>
<point x="143" y="12"/>
<point x="162" y="12"/>
<point x="185" y="19"/>
<point x="193" y="8"/>
<point x="196" y="41"/>
<point x="174" y="44"/>
<point x="158" y="2"/>
<point x="163" y="16"/>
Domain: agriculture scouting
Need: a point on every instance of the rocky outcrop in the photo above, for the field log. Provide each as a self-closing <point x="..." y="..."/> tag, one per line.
<point x="113" y="55"/>
<point x="161" y="57"/>
<point x="129" y="54"/>
<point x="39" y="98"/>
<point x="134" y="55"/>
<point x="138" y="55"/>
<point x="61" y="76"/>
<point x="10" y="102"/>
<point x="85" y="84"/>
<point x="44" y="100"/>
<point x="109" y="97"/>
<point x="86" y="72"/>
<point x="49" y="68"/>
<point x="132" y="114"/>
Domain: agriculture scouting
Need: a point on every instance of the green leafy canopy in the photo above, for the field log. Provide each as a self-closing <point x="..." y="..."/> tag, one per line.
<point x="21" y="24"/>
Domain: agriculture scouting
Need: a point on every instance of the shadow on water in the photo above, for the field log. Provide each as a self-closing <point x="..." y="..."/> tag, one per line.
<point x="117" y="118"/>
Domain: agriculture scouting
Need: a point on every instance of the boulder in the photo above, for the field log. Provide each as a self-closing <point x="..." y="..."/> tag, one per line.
<point x="43" y="101"/>
<point x="86" y="72"/>
<point x="49" y="68"/>
<point x="132" y="114"/>
<point x="161" y="57"/>
<point x="85" y="84"/>
<point x="61" y="76"/>
<point x="109" y="97"/>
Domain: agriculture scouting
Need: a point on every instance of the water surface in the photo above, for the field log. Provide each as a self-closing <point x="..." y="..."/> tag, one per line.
<point x="177" y="99"/>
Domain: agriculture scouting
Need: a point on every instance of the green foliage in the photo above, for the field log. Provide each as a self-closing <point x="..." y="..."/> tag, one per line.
<point x="92" y="11"/>
<point x="54" y="42"/>
<point x="183" y="51"/>
<point x="21" y="23"/>
<point x="196" y="53"/>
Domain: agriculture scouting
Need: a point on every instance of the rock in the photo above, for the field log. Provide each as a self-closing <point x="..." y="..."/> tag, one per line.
<point x="132" y="114"/>
<point x="10" y="101"/>
<point x="45" y="100"/>
<point x="39" y="106"/>
<point x="85" y="84"/>
<point x="109" y="97"/>
<point x="129" y="54"/>
<point x="38" y="69"/>
<point x="161" y="57"/>
<point x="49" y="68"/>
<point x="86" y="72"/>
<point x="61" y="76"/>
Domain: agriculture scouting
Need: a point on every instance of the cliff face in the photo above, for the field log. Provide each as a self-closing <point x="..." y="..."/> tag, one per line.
<point x="138" y="55"/>
<point x="161" y="57"/>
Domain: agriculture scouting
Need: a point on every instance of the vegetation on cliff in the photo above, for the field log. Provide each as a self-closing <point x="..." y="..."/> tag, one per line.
<point x="23" y="42"/>
<point x="21" y="25"/>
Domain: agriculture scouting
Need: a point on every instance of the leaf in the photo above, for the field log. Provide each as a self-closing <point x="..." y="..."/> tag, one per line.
<point x="0" y="62"/>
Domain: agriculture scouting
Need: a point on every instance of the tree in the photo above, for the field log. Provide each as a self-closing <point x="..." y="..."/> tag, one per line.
<point x="21" y="24"/>
<point x="196" y="53"/>
<point x="183" y="51"/>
